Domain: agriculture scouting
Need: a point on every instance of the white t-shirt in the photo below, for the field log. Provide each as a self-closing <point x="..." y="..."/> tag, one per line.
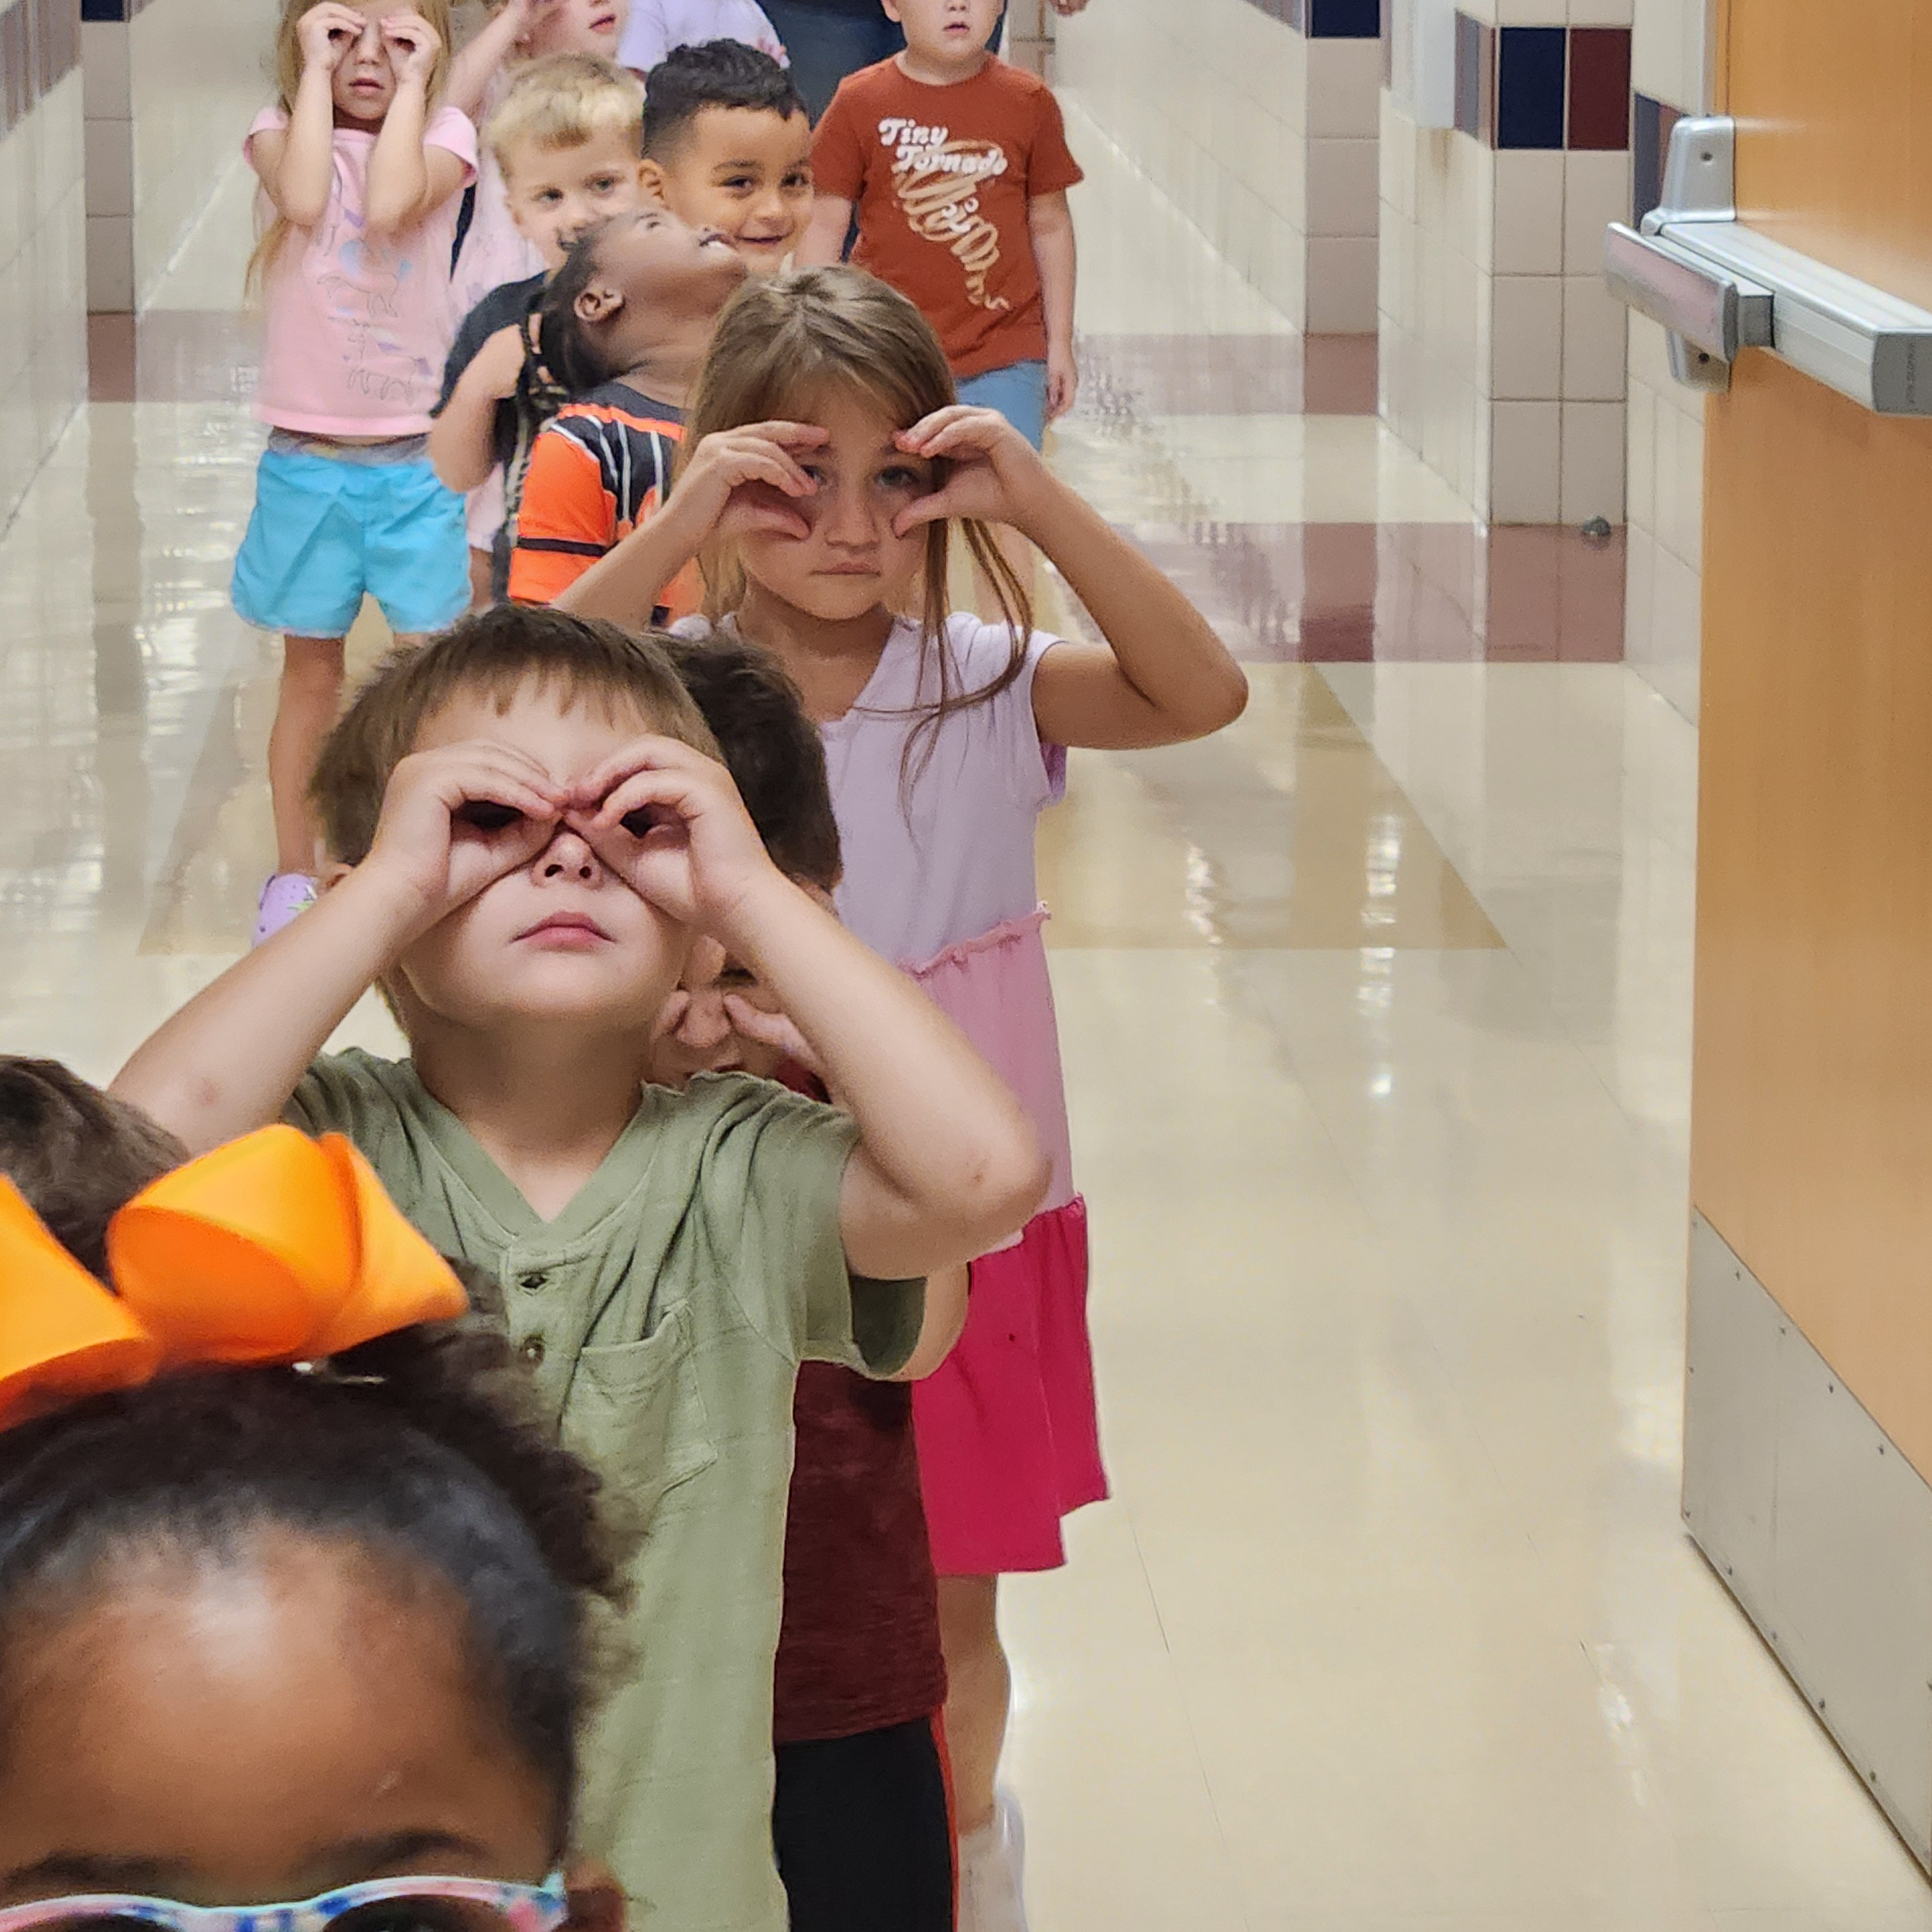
<point x="656" y="26"/>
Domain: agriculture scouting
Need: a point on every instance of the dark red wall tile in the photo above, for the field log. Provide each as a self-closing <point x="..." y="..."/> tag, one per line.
<point x="1600" y="78"/>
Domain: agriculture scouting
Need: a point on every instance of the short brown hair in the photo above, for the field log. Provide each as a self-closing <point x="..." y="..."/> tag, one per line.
<point x="776" y="757"/>
<point x="495" y="652"/>
<point x="76" y="1154"/>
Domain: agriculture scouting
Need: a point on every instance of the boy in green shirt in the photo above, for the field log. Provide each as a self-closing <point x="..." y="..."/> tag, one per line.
<point x="536" y="847"/>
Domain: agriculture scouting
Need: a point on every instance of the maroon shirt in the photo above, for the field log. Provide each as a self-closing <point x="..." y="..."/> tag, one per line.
<point x="858" y="1646"/>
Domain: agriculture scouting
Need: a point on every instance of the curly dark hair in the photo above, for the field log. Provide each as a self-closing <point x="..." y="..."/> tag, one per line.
<point x="714" y="74"/>
<point x="419" y="1449"/>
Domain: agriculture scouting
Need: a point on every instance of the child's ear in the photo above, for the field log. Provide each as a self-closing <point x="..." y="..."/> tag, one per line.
<point x="597" y="304"/>
<point x="651" y="180"/>
<point x="596" y="1899"/>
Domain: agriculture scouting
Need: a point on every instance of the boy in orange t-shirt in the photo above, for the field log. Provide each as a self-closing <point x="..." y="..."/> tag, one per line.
<point x="958" y="168"/>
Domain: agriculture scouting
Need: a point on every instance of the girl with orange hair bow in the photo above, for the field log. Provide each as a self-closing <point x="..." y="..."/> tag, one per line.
<point x="293" y="1604"/>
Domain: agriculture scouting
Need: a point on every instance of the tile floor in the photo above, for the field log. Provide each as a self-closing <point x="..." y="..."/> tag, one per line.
<point x="1376" y="1015"/>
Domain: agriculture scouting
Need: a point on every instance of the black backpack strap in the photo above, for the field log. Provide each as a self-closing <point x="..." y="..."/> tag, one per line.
<point x="465" y="215"/>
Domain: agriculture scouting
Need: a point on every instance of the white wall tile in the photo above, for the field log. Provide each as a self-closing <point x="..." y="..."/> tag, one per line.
<point x="1595" y="355"/>
<point x="110" y="263"/>
<point x="1344" y="79"/>
<point x="1593" y="462"/>
<point x="1341" y="284"/>
<point x="1597" y="191"/>
<point x="1525" y="462"/>
<point x="1528" y="213"/>
<point x="1341" y="192"/>
<point x="1526" y="346"/>
<point x="110" y="167"/>
<point x="103" y="63"/>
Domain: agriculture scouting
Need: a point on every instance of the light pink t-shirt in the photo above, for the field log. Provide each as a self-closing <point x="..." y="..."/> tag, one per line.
<point x="358" y="330"/>
<point x="656" y="26"/>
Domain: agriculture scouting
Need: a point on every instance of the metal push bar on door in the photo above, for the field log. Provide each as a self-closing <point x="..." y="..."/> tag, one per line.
<point x="1719" y="287"/>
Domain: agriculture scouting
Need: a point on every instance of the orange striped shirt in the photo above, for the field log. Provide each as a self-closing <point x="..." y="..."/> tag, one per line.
<point x="601" y="467"/>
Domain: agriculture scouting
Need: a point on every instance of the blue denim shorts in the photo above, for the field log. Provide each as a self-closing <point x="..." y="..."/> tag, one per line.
<point x="1017" y="391"/>
<point x="326" y="528"/>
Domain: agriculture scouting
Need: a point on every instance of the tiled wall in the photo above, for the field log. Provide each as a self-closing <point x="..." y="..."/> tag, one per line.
<point x="1662" y="608"/>
<point x="172" y="86"/>
<point x="1504" y="357"/>
<point x="43" y="275"/>
<point x="1258" y="119"/>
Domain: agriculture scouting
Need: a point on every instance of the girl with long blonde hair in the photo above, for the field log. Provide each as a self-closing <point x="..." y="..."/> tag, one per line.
<point x="827" y="466"/>
<point x="361" y="171"/>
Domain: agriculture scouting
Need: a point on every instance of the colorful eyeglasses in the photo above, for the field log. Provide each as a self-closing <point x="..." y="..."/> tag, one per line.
<point x="382" y="1905"/>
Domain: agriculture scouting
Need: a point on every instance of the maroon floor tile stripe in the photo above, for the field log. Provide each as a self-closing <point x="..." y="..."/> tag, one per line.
<point x="173" y="356"/>
<point x="1135" y="376"/>
<point x="1345" y="593"/>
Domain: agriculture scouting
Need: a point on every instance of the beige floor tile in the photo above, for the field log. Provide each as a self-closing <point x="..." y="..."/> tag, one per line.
<point x="1285" y="830"/>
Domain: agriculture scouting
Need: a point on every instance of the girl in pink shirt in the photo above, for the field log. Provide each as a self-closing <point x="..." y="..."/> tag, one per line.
<point x="827" y="466"/>
<point x="361" y="173"/>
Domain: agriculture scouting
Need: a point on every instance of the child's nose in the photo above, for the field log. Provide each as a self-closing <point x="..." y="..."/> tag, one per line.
<point x="847" y="518"/>
<point x="568" y="856"/>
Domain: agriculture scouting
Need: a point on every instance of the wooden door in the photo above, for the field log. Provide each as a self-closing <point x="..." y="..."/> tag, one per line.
<point x="1812" y="1105"/>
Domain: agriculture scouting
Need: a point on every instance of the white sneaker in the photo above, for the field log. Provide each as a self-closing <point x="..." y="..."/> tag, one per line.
<point x="992" y="1872"/>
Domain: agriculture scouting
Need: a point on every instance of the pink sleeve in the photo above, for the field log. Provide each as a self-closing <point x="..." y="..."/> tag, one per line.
<point x="270" y="118"/>
<point x="450" y="127"/>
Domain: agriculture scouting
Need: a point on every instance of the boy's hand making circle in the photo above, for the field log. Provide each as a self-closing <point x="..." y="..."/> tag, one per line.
<point x="668" y="821"/>
<point x="458" y="819"/>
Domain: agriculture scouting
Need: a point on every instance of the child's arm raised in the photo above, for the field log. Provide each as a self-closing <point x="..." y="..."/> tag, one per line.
<point x="296" y="164"/>
<point x="228" y="1061"/>
<point x="734" y="482"/>
<point x="1050" y="225"/>
<point x="462" y="436"/>
<point x="1163" y="677"/>
<point x="823" y="245"/>
<point x="408" y="180"/>
<point x="947" y="1164"/>
<point x="471" y="71"/>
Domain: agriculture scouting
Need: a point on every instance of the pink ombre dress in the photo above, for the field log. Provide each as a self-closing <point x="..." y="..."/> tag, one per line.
<point x="940" y="877"/>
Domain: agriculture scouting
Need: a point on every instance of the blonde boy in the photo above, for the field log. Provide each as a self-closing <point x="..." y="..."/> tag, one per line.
<point x="566" y="140"/>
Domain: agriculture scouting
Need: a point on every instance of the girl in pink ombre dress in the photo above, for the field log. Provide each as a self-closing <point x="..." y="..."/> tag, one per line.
<point x="939" y="877"/>
<point x="828" y="467"/>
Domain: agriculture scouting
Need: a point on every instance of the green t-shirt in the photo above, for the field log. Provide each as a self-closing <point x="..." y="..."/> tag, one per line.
<point x="664" y="1314"/>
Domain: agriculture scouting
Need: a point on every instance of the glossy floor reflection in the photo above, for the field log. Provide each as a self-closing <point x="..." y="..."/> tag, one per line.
<point x="1376" y="1017"/>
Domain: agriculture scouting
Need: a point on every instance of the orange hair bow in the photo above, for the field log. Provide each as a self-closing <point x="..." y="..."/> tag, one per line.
<point x="273" y="1249"/>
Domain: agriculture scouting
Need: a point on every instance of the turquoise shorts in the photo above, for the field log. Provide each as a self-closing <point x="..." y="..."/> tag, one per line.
<point x="327" y="528"/>
<point x="1017" y="391"/>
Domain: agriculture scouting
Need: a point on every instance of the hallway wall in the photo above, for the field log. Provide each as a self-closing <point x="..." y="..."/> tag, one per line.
<point x="1662" y="610"/>
<point x="43" y="275"/>
<point x="1258" y="122"/>
<point x="171" y="86"/>
<point x="1503" y="358"/>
